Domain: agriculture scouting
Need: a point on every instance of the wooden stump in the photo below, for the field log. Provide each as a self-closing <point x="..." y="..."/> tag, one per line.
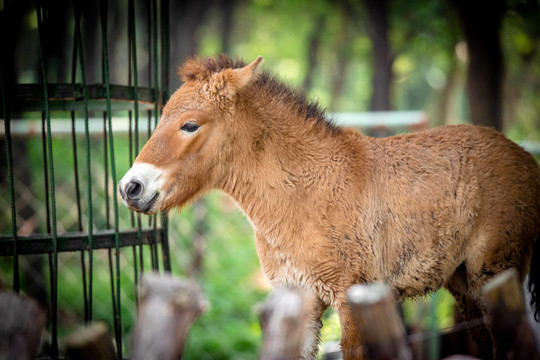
<point x="90" y="342"/>
<point x="514" y="338"/>
<point x="168" y="308"/>
<point x="378" y="322"/>
<point x="284" y="319"/>
<point x="21" y="324"/>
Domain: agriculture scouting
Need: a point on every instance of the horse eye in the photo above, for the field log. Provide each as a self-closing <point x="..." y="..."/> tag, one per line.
<point x="190" y="127"/>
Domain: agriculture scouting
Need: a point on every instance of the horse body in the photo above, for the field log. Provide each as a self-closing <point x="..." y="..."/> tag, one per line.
<point x="449" y="196"/>
<point x="330" y="207"/>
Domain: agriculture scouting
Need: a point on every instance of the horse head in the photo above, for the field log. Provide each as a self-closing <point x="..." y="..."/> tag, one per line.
<point x="186" y="154"/>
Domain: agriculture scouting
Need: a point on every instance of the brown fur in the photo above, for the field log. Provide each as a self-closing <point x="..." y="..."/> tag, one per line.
<point x="449" y="207"/>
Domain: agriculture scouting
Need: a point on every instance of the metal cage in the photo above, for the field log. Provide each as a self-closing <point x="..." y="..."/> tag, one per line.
<point x="103" y="124"/>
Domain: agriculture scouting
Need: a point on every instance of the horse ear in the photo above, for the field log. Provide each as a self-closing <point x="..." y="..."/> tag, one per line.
<point x="227" y="83"/>
<point x="241" y="77"/>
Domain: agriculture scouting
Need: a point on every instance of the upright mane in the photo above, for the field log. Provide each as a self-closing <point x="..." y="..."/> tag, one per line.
<point x="299" y="103"/>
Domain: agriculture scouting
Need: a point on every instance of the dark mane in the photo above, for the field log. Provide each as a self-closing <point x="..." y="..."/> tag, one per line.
<point x="222" y="62"/>
<point x="296" y="98"/>
<point x="308" y="109"/>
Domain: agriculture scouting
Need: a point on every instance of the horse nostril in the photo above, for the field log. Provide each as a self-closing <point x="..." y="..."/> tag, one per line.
<point x="134" y="189"/>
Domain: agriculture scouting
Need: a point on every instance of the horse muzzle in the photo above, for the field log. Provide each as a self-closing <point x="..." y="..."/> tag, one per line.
<point x="140" y="188"/>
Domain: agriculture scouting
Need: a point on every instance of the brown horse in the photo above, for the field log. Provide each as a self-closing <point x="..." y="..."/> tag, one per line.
<point x="450" y="207"/>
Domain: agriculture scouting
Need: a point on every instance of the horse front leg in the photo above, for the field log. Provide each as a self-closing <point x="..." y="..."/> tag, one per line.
<point x="312" y="332"/>
<point x="351" y="344"/>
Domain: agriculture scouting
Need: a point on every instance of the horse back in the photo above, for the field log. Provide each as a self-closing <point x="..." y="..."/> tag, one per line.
<point x="452" y="195"/>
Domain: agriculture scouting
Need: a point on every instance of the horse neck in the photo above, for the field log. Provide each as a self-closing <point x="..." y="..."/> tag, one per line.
<point x="293" y="154"/>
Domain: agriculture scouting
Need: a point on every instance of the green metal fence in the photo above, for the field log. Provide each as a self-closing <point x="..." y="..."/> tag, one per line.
<point x="93" y="158"/>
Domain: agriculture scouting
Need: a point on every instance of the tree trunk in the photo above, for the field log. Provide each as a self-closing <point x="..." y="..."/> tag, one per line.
<point x="186" y="18"/>
<point x="377" y="11"/>
<point x="343" y="51"/>
<point x="227" y="11"/>
<point x="56" y="45"/>
<point x="91" y="34"/>
<point x="481" y="22"/>
<point x="313" y="50"/>
<point x="444" y="102"/>
<point x="338" y="81"/>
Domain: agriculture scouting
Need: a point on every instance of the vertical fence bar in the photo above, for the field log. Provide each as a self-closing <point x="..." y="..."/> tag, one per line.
<point x="165" y="53"/>
<point x="106" y="172"/>
<point x="105" y="59"/>
<point x="133" y="61"/>
<point x="133" y="74"/>
<point x="149" y="122"/>
<point x="77" y="14"/>
<point x="134" y="247"/>
<point x="152" y="19"/>
<point x="74" y="140"/>
<point x="9" y="160"/>
<point x="76" y="176"/>
<point x="149" y="27"/>
<point x="154" y="46"/>
<point x="45" y="173"/>
<point x="152" y="222"/>
<point x="133" y="45"/>
<point x="108" y="220"/>
<point x="165" y="243"/>
<point x="54" y="275"/>
<point x="154" y="245"/>
<point x="139" y="237"/>
<point x="79" y="212"/>
<point x="106" y="180"/>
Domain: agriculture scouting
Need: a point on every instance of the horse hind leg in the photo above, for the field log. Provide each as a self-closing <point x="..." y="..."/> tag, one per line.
<point x="469" y="305"/>
<point x="514" y="252"/>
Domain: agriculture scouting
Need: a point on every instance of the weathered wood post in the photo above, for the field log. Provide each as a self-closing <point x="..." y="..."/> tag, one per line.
<point x="283" y="318"/>
<point x="378" y="322"/>
<point x="90" y="342"/>
<point x="503" y="297"/>
<point x="21" y="325"/>
<point x="168" y="308"/>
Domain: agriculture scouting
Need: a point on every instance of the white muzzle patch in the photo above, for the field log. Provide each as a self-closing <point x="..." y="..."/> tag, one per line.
<point x="140" y="187"/>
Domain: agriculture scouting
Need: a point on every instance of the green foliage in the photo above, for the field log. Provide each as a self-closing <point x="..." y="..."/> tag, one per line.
<point x="230" y="279"/>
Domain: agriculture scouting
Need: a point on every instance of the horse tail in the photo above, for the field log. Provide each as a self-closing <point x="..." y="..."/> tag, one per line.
<point x="534" y="279"/>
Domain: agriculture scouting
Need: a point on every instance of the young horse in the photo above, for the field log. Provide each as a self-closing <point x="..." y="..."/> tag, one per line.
<point x="450" y="207"/>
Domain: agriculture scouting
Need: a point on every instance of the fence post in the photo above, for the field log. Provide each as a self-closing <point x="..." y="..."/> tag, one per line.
<point x="21" y="325"/>
<point x="90" y="342"/>
<point x="503" y="297"/>
<point x="283" y="317"/>
<point x="378" y="322"/>
<point x="168" y="308"/>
